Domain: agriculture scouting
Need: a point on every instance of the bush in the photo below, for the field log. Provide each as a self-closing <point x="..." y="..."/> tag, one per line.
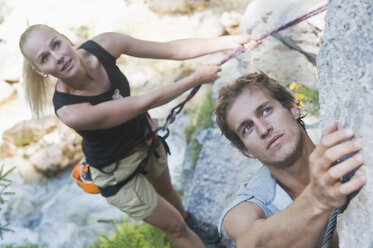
<point x="4" y="184"/>
<point x="21" y="246"/>
<point x="134" y="235"/>
<point x="306" y="98"/>
<point x="200" y="115"/>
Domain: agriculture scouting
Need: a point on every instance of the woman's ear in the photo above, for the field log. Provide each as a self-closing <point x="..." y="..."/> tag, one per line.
<point x="36" y="70"/>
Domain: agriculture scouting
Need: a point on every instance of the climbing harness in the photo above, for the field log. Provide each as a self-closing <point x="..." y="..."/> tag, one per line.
<point x="112" y="190"/>
<point x="81" y="174"/>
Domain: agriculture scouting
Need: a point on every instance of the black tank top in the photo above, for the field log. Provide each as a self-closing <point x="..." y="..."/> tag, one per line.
<point x="105" y="146"/>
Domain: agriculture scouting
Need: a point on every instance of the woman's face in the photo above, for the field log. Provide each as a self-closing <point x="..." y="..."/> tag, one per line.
<point x="51" y="53"/>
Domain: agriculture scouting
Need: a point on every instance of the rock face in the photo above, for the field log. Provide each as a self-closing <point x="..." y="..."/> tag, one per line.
<point x="272" y="56"/>
<point x="217" y="176"/>
<point x="221" y="168"/>
<point x="345" y="71"/>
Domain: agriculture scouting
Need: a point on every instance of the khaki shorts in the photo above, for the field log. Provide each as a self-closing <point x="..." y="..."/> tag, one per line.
<point x="138" y="197"/>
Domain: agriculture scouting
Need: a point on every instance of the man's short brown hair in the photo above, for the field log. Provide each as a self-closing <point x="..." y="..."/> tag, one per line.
<point x="228" y="93"/>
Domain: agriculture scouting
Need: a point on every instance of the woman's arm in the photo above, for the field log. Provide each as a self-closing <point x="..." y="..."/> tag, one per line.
<point x="85" y="116"/>
<point x="117" y="44"/>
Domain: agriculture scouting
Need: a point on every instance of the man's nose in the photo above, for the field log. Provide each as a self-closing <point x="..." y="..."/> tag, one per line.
<point x="263" y="128"/>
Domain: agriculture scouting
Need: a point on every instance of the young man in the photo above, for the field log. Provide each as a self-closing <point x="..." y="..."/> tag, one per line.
<point x="289" y="200"/>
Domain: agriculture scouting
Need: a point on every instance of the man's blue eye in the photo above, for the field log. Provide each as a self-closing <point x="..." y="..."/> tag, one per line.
<point x="248" y="128"/>
<point x="267" y="110"/>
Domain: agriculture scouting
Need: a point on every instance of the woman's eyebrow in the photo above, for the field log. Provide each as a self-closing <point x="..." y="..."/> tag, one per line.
<point x="50" y="44"/>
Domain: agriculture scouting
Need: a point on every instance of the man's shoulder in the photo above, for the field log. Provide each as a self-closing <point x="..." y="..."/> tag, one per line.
<point x="254" y="195"/>
<point x="261" y="186"/>
<point x="246" y="211"/>
<point x="241" y="217"/>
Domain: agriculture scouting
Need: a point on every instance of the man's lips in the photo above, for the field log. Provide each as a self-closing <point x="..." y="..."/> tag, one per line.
<point x="273" y="140"/>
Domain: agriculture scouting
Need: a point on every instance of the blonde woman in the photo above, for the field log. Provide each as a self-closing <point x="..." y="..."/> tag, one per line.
<point x="92" y="96"/>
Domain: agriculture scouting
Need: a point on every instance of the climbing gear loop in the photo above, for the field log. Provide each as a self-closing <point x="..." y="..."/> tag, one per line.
<point x="82" y="177"/>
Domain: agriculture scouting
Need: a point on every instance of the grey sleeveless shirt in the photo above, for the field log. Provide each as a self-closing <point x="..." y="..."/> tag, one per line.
<point x="262" y="190"/>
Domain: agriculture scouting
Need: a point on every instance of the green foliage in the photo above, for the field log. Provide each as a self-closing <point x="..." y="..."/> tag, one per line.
<point x="134" y="235"/>
<point x="307" y="98"/>
<point x="83" y="32"/>
<point x="4" y="184"/>
<point x="200" y="115"/>
<point x="23" y="139"/>
<point x="20" y="246"/>
<point x="195" y="148"/>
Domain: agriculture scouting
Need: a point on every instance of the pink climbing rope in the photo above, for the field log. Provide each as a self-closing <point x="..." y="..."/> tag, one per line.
<point x="296" y="21"/>
<point x="174" y="111"/>
<point x="241" y="49"/>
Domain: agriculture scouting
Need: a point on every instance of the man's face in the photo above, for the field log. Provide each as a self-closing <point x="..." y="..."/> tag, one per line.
<point x="269" y="131"/>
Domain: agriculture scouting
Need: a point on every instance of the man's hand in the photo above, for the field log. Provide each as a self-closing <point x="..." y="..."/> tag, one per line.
<point x="326" y="186"/>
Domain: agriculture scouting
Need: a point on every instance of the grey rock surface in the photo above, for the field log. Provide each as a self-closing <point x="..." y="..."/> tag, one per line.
<point x="345" y="71"/>
<point x="272" y="56"/>
<point x="220" y="171"/>
<point x="211" y="185"/>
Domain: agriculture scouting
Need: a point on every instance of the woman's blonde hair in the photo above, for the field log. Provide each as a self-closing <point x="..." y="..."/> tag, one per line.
<point x="37" y="87"/>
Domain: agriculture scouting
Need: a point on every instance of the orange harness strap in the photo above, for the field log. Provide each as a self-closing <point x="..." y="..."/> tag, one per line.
<point x="81" y="175"/>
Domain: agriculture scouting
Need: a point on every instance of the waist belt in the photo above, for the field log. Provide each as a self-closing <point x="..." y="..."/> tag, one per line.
<point x="153" y="144"/>
<point x="82" y="176"/>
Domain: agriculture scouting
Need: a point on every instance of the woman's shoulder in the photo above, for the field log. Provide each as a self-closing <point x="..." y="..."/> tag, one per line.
<point x="114" y="43"/>
<point x="107" y="41"/>
<point x="92" y="48"/>
<point x="87" y="57"/>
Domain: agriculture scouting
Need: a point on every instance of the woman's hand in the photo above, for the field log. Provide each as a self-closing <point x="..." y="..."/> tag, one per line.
<point x="244" y="39"/>
<point x="206" y="73"/>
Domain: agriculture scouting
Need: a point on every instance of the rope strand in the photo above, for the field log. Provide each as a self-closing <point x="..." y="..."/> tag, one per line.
<point x="177" y="109"/>
<point x="330" y="228"/>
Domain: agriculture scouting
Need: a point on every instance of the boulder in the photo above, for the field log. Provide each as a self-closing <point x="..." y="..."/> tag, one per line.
<point x="7" y="94"/>
<point x="230" y="21"/>
<point x="7" y="150"/>
<point x="24" y="168"/>
<point x="46" y="144"/>
<point x="344" y="66"/>
<point x="29" y="131"/>
<point x="177" y="6"/>
<point x="5" y="9"/>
